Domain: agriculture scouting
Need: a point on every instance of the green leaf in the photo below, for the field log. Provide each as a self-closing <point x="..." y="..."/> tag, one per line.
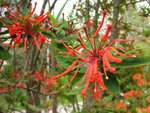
<point x="75" y="90"/>
<point x="6" y="22"/>
<point x="111" y="83"/>
<point x="107" y="99"/>
<point x="49" y="34"/>
<point x="65" y="24"/>
<point x="59" y="14"/>
<point x="35" y="108"/>
<point x="25" y="12"/>
<point x="65" y="61"/>
<point x="132" y="62"/>
<point x="64" y="80"/>
<point x="4" y="55"/>
<point x="52" y="18"/>
<point x="55" y="20"/>
<point x="69" y="98"/>
<point x="143" y="48"/>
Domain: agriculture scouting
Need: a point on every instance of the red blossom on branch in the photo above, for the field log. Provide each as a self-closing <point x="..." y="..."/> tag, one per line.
<point x="137" y="76"/>
<point x="26" y="28"/>
<point x="133" y="93"/>
<point x="97" y="56"/>
<point x="121" y="106"/>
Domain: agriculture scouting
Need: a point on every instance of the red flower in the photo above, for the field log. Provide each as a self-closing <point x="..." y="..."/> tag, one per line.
<point x="3" y="89"/>
<point x="39" y="76"/>
<point x="141" y="82"/>
<point x="15" y="74"/>
<point x="143" y="110"/>
<point x="70" y="52"/>
<point x="137" y="76"/>
<point x="121" y="106"/>
<point x="133" y="93"/>
<point x="93" y="56"/>
<point x="21" y="85"/>
<point x="27" y="29"/>
<point x="50" y="81"/>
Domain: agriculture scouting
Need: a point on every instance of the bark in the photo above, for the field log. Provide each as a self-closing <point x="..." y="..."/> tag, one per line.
<point x="30" y="70"/>
<point x="87" y="10"/>
<point x="115" y="20"/>
<point x="96" y="15"/>
<point x="53" y="68"/>
<point x="88" y="104"/>
<point x="53" y="5"/>
<point x="43" y="6"/>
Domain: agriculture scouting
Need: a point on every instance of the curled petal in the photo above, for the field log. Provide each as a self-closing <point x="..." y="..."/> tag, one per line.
<point x="117" y="60"/>
<point x="105" y="37"/>
<point x="67" y="71"/>
<point x="31" y="13"/>
<point x="73" y="77"/>
<point x="101" y="24"/>
<point x="122" y="54"/>
<point x="107" y="64"/>
<point x="122" y="40"/>
<point x="25" y="44"/>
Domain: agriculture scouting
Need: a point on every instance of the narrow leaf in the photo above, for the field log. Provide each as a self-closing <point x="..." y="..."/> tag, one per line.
<point x="65" y="61"/>
<point x="132" y="62"/>
<point x="59" y="14"/>
<point x="52" y="18"/>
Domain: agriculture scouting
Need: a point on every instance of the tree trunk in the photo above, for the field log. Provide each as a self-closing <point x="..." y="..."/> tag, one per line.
<point x="30" y="70"/>
<point x="87" y="13"/>
<point x="115" y="20"/>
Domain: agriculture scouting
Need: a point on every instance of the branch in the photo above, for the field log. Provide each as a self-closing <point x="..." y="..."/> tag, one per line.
<point x="52" y="7"/>
<point x="35" y="91"/>
<point x="131" y="3"/>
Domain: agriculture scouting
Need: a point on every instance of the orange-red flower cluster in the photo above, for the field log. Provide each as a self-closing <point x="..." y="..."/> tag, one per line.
<point x="121" y="106"/>
<point x="42" y="77"/>
<point x="139" y="80"/>
<point x="26" y="29"/>
<point x="137" y="76"/>
<point x="133" y="93"/>
<point x="97" y="54"/>
<point x="143" y="110"/>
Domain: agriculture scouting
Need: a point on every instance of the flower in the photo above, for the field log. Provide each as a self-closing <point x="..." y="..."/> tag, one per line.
<point x="15" y="74"/>
<point x="121" y="106"/>
<point x="3" y="90"/>
<point x="133" y="93"/>
<point x="141" y="82"/>
<point x="27" y="29"/>
<point x="98" y="54"/>
<point x="21" y="85"/>
<point x="137" y="76"/>
<point x="143" y="110"/>
<point x="40" y="76"/>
